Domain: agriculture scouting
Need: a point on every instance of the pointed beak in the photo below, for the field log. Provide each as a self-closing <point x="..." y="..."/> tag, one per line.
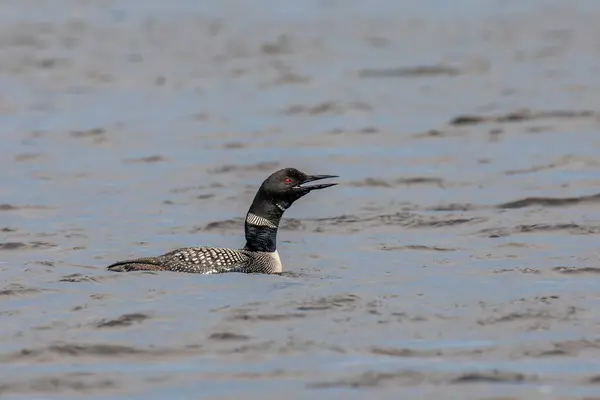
<point x="312" y="178"/>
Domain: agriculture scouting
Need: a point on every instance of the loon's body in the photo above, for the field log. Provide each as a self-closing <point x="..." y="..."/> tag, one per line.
<point x="276" y="194"/>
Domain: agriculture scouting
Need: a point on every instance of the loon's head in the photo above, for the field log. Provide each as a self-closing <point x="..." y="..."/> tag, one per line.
<point x="287" y="185"/>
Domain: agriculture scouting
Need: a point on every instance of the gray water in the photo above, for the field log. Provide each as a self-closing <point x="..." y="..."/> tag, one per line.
<point x="456" y="259"/>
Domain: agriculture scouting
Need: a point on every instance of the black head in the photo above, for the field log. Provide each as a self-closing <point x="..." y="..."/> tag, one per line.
<point x="276" y="194"/>
<point x="288" y="185"/>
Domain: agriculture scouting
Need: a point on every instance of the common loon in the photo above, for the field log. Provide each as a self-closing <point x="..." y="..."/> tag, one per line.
<point x="276" y="194"/>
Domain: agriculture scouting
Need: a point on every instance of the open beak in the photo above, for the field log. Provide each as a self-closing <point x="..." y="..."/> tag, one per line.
<point x="312" y="178"/>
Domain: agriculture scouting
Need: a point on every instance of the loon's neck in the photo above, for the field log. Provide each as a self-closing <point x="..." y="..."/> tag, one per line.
<point x="262" y="223"/>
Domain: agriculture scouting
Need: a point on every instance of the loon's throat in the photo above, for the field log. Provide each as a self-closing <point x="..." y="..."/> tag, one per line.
<point x="257" y="221"/>
<point x="262" y="224"/>
<point x="261" y="234"/>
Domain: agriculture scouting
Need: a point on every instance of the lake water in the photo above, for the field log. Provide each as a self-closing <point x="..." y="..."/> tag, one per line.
<point x="456" y="259"/>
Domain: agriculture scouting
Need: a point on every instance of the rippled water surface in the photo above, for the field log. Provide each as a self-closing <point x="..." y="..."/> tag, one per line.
<point x="457" y="258"/>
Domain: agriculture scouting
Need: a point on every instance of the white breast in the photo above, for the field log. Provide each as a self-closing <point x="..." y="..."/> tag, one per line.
<point x="276" y="261"/>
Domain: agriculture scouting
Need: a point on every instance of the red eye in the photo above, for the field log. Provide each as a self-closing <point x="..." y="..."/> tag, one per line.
<point x="287" y="180"/>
